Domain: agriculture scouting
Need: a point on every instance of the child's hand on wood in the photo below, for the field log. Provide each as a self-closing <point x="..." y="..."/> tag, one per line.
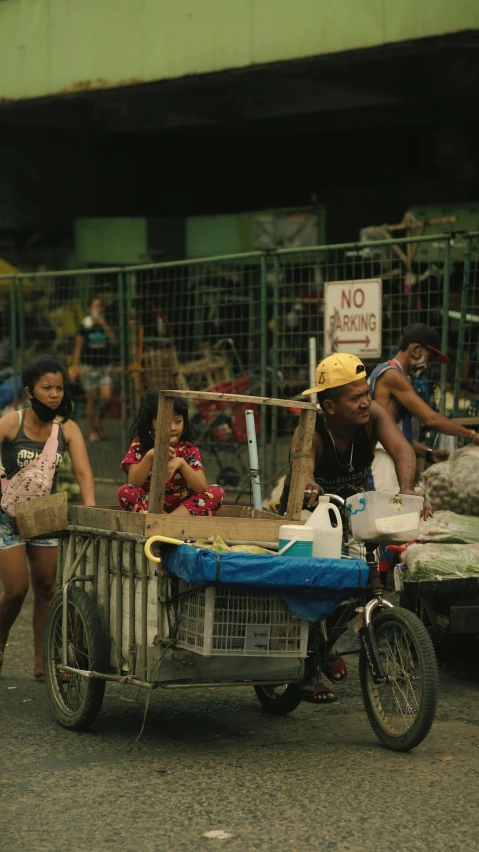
<point x="174" y="464"/>
<point x="171" y="452"/>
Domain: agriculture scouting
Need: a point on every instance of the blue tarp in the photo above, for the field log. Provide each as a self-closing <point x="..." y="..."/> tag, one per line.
<point x="312" y="588"/>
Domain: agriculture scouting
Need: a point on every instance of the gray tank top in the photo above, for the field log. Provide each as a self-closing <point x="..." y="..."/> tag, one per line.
<point x="21" y="451"/>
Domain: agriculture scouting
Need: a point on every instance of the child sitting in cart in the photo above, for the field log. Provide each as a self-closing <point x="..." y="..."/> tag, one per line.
<point x="187" y="491"/>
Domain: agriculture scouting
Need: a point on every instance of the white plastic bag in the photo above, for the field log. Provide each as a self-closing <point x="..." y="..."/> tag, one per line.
<point x="454" y="485"/>
<point x="435" y="561"/>
<point x="450" y="527"/>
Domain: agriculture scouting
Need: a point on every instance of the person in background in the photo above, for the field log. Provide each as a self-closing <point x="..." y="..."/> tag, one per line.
<point x="348" y="428"/>
<point x="92" y="361"/>
<point x="187" y="491"/>
<point x="391" y="387"/>
<point x="22" y="437"/>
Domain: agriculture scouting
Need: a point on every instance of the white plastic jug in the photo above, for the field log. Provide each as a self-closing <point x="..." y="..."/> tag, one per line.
<point x="328" y="530"/>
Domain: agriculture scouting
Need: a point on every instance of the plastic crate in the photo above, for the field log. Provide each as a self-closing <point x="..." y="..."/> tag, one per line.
<point x="229" y="622"/>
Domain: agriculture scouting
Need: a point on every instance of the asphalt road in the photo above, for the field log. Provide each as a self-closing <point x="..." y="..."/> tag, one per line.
<point x="213" y="761"/>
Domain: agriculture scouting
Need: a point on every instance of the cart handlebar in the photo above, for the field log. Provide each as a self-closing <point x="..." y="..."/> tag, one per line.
<point x="164" y="540"/>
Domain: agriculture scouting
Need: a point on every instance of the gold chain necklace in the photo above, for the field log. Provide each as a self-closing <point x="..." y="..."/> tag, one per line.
<point x="348" y="464"/>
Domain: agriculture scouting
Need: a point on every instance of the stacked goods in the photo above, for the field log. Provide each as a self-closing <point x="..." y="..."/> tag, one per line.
<point x="454" y="485"/>
<point x="435" y="561"/>
<point x="449" y="541"/>
<point x="450" y="527"/>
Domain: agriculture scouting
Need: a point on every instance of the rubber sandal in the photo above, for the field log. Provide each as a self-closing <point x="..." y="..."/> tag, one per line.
<point x="335" y="669"/>
<point x="319" y="694"/>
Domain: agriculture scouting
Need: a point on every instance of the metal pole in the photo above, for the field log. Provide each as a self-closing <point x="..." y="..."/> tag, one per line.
<point x="462" y="324"/>
<point x="119" y="605"/>
<point x="263" y="349"/>
<point x="142" y="655"/>
<point x="253" y="460"/>
<point x="312" y="368"/>
<point x="445" y="322"/>
<point x="128" y="339"/>
<point x="13" y="338"/>
<point x="275" y="365"/>
<point x="21" y="323"/>
<point x="123" y="358"/>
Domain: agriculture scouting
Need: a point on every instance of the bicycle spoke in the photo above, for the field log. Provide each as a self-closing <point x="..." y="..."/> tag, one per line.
<point x="71" y="688"/>
<point x="397" y="701"/>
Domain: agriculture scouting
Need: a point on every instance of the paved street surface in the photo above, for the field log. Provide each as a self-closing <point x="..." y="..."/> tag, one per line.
<point x="213" y="761"/>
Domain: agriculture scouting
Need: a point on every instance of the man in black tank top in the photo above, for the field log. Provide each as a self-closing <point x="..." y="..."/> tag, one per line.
<point x="348" y="428"/>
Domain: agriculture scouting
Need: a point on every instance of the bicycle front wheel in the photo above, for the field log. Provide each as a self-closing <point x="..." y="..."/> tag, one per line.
<point x="401" y="711"/>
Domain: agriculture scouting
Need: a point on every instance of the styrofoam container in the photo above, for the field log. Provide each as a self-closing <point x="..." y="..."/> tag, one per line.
<point x="378" y="517"/>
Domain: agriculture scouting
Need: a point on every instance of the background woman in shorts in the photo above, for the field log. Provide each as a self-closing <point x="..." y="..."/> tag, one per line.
<point x="92" y="359"/>
<point x="22" y="439"/>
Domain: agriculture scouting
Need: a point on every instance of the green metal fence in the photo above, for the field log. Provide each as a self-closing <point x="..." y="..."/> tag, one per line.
<point x="242" y="323"/>
<point x="463" y="319"/>
<point x="45" y="311"/>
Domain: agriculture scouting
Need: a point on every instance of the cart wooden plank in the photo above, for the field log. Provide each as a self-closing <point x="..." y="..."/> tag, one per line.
<point x="245" y="512"/>
<point x="97" y="517"/>
<point x="307" y="422"/>
<point x="230" y="529"/>
<point x="161" y="456"/>
<point x="466" y="421"/>
<point x="233" y="397"/>
<point x="236" y="523"/>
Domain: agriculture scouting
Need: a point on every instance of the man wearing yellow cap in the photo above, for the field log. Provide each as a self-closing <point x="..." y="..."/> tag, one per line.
<point x="348" y="427"/>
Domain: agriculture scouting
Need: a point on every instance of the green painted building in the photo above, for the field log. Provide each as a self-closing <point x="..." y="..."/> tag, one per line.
<point x="178" y="120"/>
<point x="54" y="47"/>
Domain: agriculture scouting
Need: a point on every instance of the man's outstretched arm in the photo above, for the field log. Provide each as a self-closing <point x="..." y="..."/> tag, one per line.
<point x="401" y="388"/>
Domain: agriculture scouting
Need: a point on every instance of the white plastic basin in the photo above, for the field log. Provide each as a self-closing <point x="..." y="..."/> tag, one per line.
<point x="380" y="518"/>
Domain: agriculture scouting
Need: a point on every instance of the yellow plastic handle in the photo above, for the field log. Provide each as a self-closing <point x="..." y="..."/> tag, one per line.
<point x="164" y="539"/>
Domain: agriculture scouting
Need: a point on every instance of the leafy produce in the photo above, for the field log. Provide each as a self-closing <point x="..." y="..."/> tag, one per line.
<point x="435" y="561"/>
<point x="451" y="527"/>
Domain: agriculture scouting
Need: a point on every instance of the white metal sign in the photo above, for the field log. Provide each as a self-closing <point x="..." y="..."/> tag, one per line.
<point x="352" y="317"/>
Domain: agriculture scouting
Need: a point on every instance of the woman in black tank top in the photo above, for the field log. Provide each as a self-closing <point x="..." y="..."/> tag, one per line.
<point x="22" y="441"/>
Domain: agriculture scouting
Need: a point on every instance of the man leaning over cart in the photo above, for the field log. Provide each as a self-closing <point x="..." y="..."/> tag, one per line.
<point x="348" y="428"/>
<point x="391" y="386"/>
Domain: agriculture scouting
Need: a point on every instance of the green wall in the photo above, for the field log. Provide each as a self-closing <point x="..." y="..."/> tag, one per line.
<point x="110" y="241"/>
<point x="54" y="46"/>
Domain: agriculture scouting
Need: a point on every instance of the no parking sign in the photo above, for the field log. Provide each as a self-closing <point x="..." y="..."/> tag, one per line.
<point x="352" y="317"/>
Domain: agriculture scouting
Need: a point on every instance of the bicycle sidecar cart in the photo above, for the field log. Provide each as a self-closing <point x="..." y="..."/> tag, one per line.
<point x="116" y="617"/>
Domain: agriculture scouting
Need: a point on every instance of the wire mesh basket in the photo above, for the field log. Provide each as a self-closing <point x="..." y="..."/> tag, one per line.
<point x="229" y="622"/>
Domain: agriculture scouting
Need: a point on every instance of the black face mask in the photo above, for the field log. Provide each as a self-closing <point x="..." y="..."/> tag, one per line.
<point x="44" y="412"/>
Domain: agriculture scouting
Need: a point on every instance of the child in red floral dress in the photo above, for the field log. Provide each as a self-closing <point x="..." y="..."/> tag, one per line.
<point x="187" y="491"/>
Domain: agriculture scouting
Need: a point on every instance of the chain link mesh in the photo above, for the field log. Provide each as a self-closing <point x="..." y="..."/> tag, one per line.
<point x="239" y="324"/>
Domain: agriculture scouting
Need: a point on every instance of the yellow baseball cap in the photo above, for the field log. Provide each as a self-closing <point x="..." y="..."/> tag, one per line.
<point x="337" y="370"/>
